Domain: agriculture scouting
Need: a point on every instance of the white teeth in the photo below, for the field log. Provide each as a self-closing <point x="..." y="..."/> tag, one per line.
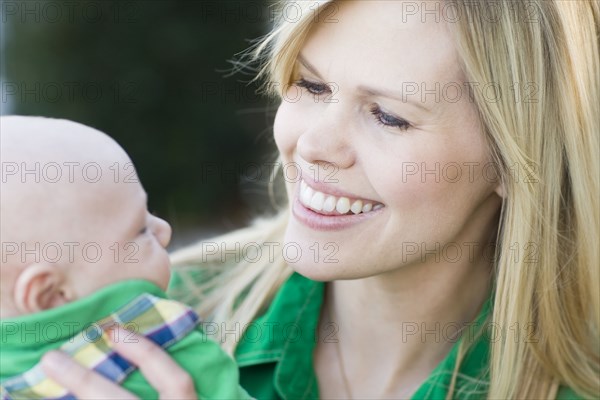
<point x="307" y="195"/>
<point x="319" y="201"/>
<point x="343" y="205"/>
<point x="329" y="204"/>
<point x="356" y="207"/>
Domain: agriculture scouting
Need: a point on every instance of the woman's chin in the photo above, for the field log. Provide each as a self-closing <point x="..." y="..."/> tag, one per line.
<point x="308" y="264"/>
<point x="315" y="272"/>
<point x="315" y="259"/>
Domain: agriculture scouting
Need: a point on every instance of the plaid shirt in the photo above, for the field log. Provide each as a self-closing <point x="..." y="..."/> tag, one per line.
<point x="162" y="321"/>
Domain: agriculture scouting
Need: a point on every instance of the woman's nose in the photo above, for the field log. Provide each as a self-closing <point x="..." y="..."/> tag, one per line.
<point x="162" y="230"/>
<point x="327" y="141"/>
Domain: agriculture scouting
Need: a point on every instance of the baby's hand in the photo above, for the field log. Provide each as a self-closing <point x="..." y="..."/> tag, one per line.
<point x="164" y="374"/>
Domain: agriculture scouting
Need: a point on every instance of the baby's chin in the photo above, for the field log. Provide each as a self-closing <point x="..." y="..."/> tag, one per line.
<point x="164" y="284"/>
<point x="164" y="279"/>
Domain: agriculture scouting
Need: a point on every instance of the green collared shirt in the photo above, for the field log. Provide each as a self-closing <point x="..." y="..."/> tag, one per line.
<point x="275" y="356"/>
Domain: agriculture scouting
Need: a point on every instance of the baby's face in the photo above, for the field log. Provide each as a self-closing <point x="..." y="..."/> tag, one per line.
<point x="132" y="241"/>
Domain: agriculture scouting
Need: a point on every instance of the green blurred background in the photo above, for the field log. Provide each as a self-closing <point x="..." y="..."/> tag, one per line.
<point x="153" y="75"/>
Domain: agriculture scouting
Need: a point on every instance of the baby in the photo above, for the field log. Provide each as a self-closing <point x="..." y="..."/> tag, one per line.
<point x="80" y="253"/>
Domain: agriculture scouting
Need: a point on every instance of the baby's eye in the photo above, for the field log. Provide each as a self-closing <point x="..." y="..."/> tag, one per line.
<point x="143" y="230"/>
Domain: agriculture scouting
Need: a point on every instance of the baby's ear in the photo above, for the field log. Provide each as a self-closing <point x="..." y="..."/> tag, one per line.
<point x="39" y="287"/>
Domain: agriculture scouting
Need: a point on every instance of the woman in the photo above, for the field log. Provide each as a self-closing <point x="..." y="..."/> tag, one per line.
<point x="448" y="160"/>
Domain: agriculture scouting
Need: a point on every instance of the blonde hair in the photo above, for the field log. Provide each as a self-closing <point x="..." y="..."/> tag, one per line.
<point x="547" y="153"/>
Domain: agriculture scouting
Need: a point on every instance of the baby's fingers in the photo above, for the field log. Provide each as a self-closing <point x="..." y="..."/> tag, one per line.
<point x="82" y="382"/>
<point x="164" y="374"/>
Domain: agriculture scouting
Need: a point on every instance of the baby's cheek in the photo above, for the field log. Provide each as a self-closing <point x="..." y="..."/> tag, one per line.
<point x="162" y="269"/>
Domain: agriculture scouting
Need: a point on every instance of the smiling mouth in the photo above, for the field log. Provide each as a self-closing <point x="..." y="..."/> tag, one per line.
<point x="328" y="204"/>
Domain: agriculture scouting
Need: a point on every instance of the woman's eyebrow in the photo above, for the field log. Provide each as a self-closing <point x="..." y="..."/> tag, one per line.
<point x="309" y="66"/>
<point x="372" y="91"/>
<point x="403" y="98"/>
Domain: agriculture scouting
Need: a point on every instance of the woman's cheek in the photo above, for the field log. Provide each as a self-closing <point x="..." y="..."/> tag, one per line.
<point x="287" y="128"/>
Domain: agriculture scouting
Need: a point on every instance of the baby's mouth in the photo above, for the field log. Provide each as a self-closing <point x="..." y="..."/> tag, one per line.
<point x="328" y="204"/>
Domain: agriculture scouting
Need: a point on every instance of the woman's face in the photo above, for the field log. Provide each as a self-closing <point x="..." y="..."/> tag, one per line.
<point x="380" y="121"/>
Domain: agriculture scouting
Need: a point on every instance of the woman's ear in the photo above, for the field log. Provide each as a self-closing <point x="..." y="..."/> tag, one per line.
<point x="39" y="287"/>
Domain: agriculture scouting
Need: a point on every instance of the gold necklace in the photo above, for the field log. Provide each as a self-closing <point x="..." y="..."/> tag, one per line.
<point x="340" y="361"/>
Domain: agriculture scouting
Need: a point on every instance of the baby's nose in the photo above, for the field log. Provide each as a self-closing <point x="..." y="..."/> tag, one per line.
<point x="162" y="231"/>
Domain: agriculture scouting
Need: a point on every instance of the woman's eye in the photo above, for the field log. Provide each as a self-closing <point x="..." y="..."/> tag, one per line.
<point x="381" y="117"/>
<point x="386" y="119"/>
<point x="312" y="87"/>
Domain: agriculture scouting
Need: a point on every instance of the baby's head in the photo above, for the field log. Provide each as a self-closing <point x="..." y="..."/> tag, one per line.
<point x="73" y="216"/>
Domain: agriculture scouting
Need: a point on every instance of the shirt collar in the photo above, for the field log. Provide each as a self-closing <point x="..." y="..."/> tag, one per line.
<point x="286" y="333"/>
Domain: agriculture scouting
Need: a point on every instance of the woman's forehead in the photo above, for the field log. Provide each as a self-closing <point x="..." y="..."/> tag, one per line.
<point x="374" y="40"/>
